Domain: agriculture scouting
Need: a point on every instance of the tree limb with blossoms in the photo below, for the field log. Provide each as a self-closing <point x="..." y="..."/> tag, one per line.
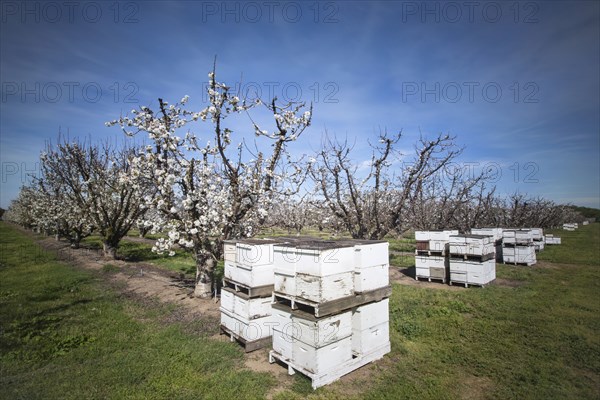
<point x="208" y="189"/>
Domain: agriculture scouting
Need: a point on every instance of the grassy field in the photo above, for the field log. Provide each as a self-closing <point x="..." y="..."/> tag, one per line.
<point x="65" y="333"/>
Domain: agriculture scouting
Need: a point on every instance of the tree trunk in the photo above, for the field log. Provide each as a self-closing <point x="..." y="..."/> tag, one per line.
<point x="110" y="250"/>
<point x="205" y="266"/>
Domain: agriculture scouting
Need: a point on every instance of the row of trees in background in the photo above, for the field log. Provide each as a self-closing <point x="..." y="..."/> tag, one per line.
<point x="197" y="193"/>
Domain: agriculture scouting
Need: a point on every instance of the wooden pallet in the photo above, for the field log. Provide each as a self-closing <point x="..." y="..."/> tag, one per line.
<point x="333" y="375"/>
<point x="333" y="306"/>
<point x="249" y="346"/>
<point x="430" y="278"/>
<point x="470" y="284"/>
<point x="248" y="292"/>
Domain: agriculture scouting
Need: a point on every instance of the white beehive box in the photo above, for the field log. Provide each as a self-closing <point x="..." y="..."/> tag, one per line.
<point x="519" y="255"/>
<point x="370" y="315"/>
<point x="319" y="332"/>
<point x="495" y="233"/>
<point x="284" y="281"/>
<point x="551" y="239"/>
<point x="537" y="233"/>
<point x="249" y="252"/>
<point x="249" y="276"/>
<point x="282" y="343"/>
<point x="367" y="340"/>
<point x="538" y="245"/>
<point x="249" y="330"/>
<point x="325" y="258"/>
<point x="585" y="223"/>
<point x="371" y="278"/>
<point x="422" y="236"/>
<point x="285" y="257"/>
<point x="248" y="308"/>
<point x="512" y="236"/>
<point x="370" y="253"/>
<point x="282" y="331"/>
<point x="320" y="289"/>
<point x="472" y="272"/>
<point x="322" y="359"/>
<point x="422" y="266"/>
<point x="476" y="245"/>
<point x="438" y="245"/>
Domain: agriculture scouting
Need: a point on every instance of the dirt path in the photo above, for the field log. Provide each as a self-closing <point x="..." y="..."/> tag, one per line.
<point x="140" y="279"/>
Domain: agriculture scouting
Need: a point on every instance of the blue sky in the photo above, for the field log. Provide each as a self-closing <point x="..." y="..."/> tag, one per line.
<point x="516" y="82"/>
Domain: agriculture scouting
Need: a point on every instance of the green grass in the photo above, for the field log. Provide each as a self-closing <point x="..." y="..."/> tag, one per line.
<point x="65" y="334"/>
<point x="581" y="246"/>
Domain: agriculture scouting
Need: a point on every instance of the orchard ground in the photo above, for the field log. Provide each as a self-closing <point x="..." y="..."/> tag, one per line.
<point x="73" y="325"/>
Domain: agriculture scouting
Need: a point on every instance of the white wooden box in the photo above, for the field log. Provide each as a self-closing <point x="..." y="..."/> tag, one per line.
<point x="325" y="258"/>
<point x="495" y="233"/>
<point x="371" y="278"/>
<point x="472" y="272"/>
<point x="476" y="245"/>
<point x="253" y="253"/>
<point x="229" y="251"/>
<point x="437" y="262"/>
<point x="422" y="235"/>
<point x="519" y="255"/>
<point x="367" y="340"/>
<point x="283" y="343"/>
<point x="537" y="233"/>
<point x="249" y="330"/>
<point x="320" y="332"/>
<point x="538" y="245"/>
<point x="227" y="300"/>
<point x="253" y="308"/>
<point x="324" y="288"/>
<point x="369" y="254"/>
<point x="284" y="281"/>
<point x="422" y="262"/>
<point x="438" y="245"/>
<point x="422" y="272"/>
<point x="250" y="276"/>
<point x="322" y="359"/>
<point x="285" y="257"/>
<point x="281" y="318"/>
<point x="370" y="315"/>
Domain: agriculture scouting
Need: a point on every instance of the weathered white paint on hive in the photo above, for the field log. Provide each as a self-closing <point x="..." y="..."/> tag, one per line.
<point x="322" y="359"/>
<point x="324" y="288"/>
<point x="322" y="331"/>
<point x="285" y="281"/>
<point x="247" y="329"/>
<point x="282" y="343"/>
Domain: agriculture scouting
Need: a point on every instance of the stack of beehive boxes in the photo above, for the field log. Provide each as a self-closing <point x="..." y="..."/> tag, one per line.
<point x="330" y="306"/>
<point x="246" y="292"/>
<point x="537" y="234"/>
<point x="518" y="247"/>
<point x="570" y="226"/>
<point x="551" y="239"/>
<point x="430" y="254"/>
<point x="472" y="259"/>
<point x="496" y="234"/>
<point x="585" y="223"/>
